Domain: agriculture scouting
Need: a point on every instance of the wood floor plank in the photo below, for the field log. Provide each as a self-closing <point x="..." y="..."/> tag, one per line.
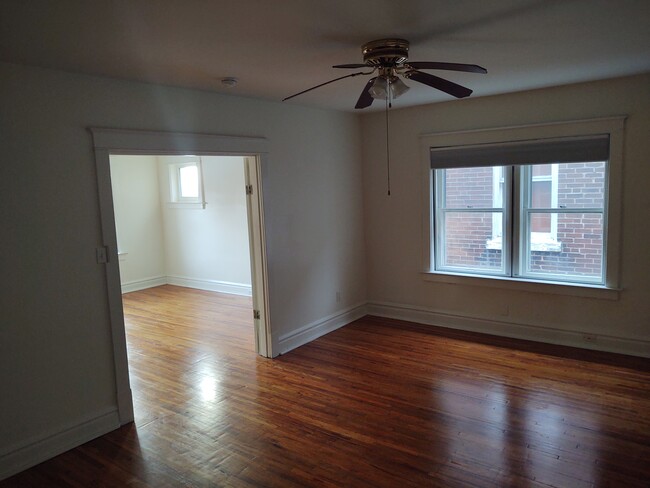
<point x="378" y="403"/>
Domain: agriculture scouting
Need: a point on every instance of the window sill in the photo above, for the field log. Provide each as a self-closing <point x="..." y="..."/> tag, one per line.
<point x="527" y="285"/>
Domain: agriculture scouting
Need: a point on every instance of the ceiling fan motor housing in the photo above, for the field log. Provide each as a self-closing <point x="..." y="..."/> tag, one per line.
<point x="385" y="52"/>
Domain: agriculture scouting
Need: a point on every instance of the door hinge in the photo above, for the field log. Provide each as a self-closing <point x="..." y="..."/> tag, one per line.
<point x="256" y="314"/>
<point x="249" y="189"/>
<point x="101" y="254"/>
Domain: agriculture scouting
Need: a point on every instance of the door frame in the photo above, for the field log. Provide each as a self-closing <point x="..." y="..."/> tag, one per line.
<point x="109" y="142"/>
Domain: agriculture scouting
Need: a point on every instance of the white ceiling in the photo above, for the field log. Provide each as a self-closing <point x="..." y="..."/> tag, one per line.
<point x="277" y="48"/>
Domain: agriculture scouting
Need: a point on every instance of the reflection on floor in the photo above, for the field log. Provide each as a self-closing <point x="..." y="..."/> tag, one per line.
<point x="376" y="403"/>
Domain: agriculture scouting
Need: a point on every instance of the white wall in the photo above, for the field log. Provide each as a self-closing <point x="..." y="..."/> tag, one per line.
<point x="56" y="364"/>
<point x="394" y="226"/>
<point x="209" y="247"/>
<point x="138" y="219"/>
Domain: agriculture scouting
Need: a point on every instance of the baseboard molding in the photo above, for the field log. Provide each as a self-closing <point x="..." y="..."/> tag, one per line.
<point x="143" y="284"/>
<point x="212" y="285"/>
<point x="35" y="451"/>
<point x="529" y="332"/>
<point x="209" y="285"/>
<point x="320" y="327"/>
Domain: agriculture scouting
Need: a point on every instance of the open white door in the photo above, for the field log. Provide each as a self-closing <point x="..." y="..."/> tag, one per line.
<point x="258" y="263"/>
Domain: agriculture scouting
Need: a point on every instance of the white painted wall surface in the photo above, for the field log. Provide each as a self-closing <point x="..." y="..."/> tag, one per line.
<point x="138" y="218"/>
<point x="210" y="244"/>
<point x="56" y="363"/>
<point x="394" y="230"/>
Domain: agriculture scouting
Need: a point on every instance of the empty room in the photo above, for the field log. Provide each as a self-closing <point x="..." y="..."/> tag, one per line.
<point x="304" y="243"/>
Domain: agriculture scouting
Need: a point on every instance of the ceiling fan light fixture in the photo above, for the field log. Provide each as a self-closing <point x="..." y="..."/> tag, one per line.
<point x="381" y="86"/>
<point x="379" y="89"/>
<point x="398" y="88"/>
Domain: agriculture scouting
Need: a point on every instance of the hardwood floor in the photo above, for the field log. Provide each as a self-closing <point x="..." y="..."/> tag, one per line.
<point x="376" y="403"/>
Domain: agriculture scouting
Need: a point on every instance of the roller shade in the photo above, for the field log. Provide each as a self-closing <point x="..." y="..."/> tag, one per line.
<point x="540" y="151"/>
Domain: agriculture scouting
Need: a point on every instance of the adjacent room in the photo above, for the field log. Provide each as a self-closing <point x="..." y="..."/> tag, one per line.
<point x="325" y="243"/>
<point x="181" y="220"/>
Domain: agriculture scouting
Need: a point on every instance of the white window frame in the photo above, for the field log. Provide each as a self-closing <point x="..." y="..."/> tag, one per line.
<point x="611" y="126"/>
<point x="176" y="200"/>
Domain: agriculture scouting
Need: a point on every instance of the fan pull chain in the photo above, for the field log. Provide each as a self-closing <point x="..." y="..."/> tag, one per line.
<point x="388" y="105"/>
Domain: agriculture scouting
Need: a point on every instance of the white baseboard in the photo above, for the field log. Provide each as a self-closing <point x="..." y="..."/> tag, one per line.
<point x="209" y="285"/>
<point x="320" y="327"/>
<point x="212" y="285"/>
<point x="143" y="284"/>
<point x="549" y="335"/>
<point x="35" y="451"/>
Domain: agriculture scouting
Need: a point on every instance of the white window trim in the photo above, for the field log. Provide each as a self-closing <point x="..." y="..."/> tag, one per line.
<point x="612" y="126"/>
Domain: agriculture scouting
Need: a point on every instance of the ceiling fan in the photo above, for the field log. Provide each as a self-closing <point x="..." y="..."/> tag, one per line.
<point x="388" y="58"/>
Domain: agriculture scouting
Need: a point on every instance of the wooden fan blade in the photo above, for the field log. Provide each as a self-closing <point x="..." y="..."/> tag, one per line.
<point x="350" y="66"/>
<point x="323" y="84"/>
<point x="469" y="68"/>
<point x="443" y="85"/>
<point x="365" y="99"/>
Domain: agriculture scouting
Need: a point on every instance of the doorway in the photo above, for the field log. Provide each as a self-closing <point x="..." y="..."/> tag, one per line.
<point x="182" y="220"/>
<point x="109" y="142"/>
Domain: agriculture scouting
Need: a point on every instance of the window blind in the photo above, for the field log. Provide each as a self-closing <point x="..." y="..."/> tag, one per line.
<point x="540" y="151"/>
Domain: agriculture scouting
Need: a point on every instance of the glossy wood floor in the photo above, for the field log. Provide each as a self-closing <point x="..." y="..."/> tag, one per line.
<point x="378" y="403"/>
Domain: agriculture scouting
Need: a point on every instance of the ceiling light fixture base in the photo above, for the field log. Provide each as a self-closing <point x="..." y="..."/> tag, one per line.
<point x="229" y="81"/>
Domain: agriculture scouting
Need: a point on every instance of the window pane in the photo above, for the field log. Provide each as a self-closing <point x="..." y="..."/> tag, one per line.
<point x="473" y="187"/>
<point x="581" y="185"/>
<point x="542" y="170"/>
<point x="470" y="242"/>
<point x="541" y="198"/>
<point x="189" y="181"/>
<point x="577" y="252"/>
<point x="568" y="185"/>
<point x="541" y="194"/>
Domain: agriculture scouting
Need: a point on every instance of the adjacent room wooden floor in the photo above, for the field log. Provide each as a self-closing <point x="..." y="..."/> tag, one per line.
<point x="376" y="403"/>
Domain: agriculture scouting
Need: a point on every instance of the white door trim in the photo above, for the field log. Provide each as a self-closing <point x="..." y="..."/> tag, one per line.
<point x="117" y="141"/>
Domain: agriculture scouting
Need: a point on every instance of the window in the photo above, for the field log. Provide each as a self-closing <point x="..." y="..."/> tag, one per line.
<point x="535" y="210"/>
<point x="185" y="183"/>
<point x="188" y="182"/>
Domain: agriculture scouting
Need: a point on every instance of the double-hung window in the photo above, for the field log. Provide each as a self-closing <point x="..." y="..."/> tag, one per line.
<point x="530" y="209"/>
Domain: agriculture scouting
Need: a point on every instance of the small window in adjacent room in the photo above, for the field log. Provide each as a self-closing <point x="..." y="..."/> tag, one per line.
<point x="185" y="183"/>
<point x="188" y="182"/>
<point x="528" y="210"/>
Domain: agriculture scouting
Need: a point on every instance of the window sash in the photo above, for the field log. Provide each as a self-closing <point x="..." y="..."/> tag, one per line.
<point x="525" y="245"/>
<point x="439" y="236"/>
